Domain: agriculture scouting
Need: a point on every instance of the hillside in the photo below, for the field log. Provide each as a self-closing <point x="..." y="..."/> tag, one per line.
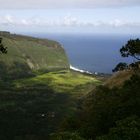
<point x="108" y="112"/>
<point x="27" y="54"/>
<point x="118" y="79"/>
<point x="37" y="88"/>
<point x="57" y="103"/>
<point x="38" y="105"/>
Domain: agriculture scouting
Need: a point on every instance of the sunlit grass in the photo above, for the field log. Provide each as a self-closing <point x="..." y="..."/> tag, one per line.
<point x="60" y="81"/>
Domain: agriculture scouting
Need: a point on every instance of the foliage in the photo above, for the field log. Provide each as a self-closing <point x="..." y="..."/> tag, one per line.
<point x="33" y="104"/>
<point x="132" y="48"/>
<point x="135" y="66"/>
<point x="104" y="107"/>
<point x="126" y="129"/>
<point x="27" y="56"/>
<point x="21" y="112"/>
<point x="2" y="48"/>
<point x="32" y="108"/>
<point x="121" y="66"/>
<point x="65" y="136"/>
<point x="61" y="81"/>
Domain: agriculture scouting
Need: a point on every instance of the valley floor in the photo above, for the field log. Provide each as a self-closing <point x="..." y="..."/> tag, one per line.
<point x="39" y="104"/>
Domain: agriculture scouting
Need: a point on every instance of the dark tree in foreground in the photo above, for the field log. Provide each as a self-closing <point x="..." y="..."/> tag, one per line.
<point x="132" y="48"/>
<point x="126" y="129"/>
<point x="2" y="48"/>
<point x="121" y="66"/>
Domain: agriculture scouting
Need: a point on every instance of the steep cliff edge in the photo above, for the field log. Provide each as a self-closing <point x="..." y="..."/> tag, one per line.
<point x="27" y="54"/>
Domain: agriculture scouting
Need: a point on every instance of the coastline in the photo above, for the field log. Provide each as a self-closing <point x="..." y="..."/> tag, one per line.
<point x="105" y="75"/>
<point x="82" y="71"/>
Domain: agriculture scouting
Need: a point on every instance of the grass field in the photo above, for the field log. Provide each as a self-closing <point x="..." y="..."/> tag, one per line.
<point x="64" y="81"/>
<point x="37" y="88"/>
<point x="27" y="54"/>
<point x="53" y="95"/>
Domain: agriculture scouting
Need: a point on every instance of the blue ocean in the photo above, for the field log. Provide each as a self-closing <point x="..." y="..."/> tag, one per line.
<point x="90" y="52"/>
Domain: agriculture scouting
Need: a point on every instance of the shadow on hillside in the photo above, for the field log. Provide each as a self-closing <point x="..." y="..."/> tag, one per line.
<point x="31" y="114"/>
<point x="15" y="71"/>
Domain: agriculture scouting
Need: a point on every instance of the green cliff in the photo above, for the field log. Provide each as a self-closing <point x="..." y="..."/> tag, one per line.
<point x="27" y="54"/>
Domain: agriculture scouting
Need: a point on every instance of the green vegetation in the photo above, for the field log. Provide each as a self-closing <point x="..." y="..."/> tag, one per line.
<point x="126" y="129"/>
<point x="121" y="66"/>
<point x="2" y="48"/>
<point x="37" y="89"/>
<point x="27" y="55"/>
<point x="64" y="81"/>
<point x="39" y="104"/>
<point x="118" y="79"/>
<point x="131" y="49"/>
<point x="111" y="111"/>
<point x="107" y="114"/>
<point x="65" y="136"/>
<point x="40" y="98"/>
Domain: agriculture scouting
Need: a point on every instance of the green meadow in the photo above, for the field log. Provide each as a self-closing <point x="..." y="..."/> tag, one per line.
<point x="37" y="88"/>
<point x="40" y="104"/>
<point x="41" y="98"/>
<point x="28" y="54"/>
<point x="63" y="81"/>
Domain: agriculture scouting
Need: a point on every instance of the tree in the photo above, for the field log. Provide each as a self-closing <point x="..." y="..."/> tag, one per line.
<point x="2" y="48"/>
<point x="132" y="48"/>
<point x="120" y="66"/>
<point x="65" y="136"/>
<point x="126" y="129"/>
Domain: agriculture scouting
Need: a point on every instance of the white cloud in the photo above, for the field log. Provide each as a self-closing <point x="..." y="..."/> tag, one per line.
<point x="20" y="4"/>
<point x="69" y="21"/>
<point x="66" y="21"/>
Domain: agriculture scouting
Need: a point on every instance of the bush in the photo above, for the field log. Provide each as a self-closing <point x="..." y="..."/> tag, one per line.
<point x="126" y="129"/>
<point x="65" y="136"/>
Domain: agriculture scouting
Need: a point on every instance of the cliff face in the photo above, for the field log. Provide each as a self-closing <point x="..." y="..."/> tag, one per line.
<point x="28" y="54"/>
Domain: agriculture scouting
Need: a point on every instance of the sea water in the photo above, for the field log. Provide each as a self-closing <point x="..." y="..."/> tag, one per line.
<point x="92" y="52"/>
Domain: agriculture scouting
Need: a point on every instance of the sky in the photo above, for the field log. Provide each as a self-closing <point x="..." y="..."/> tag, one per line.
<point x="70" y="16"/>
